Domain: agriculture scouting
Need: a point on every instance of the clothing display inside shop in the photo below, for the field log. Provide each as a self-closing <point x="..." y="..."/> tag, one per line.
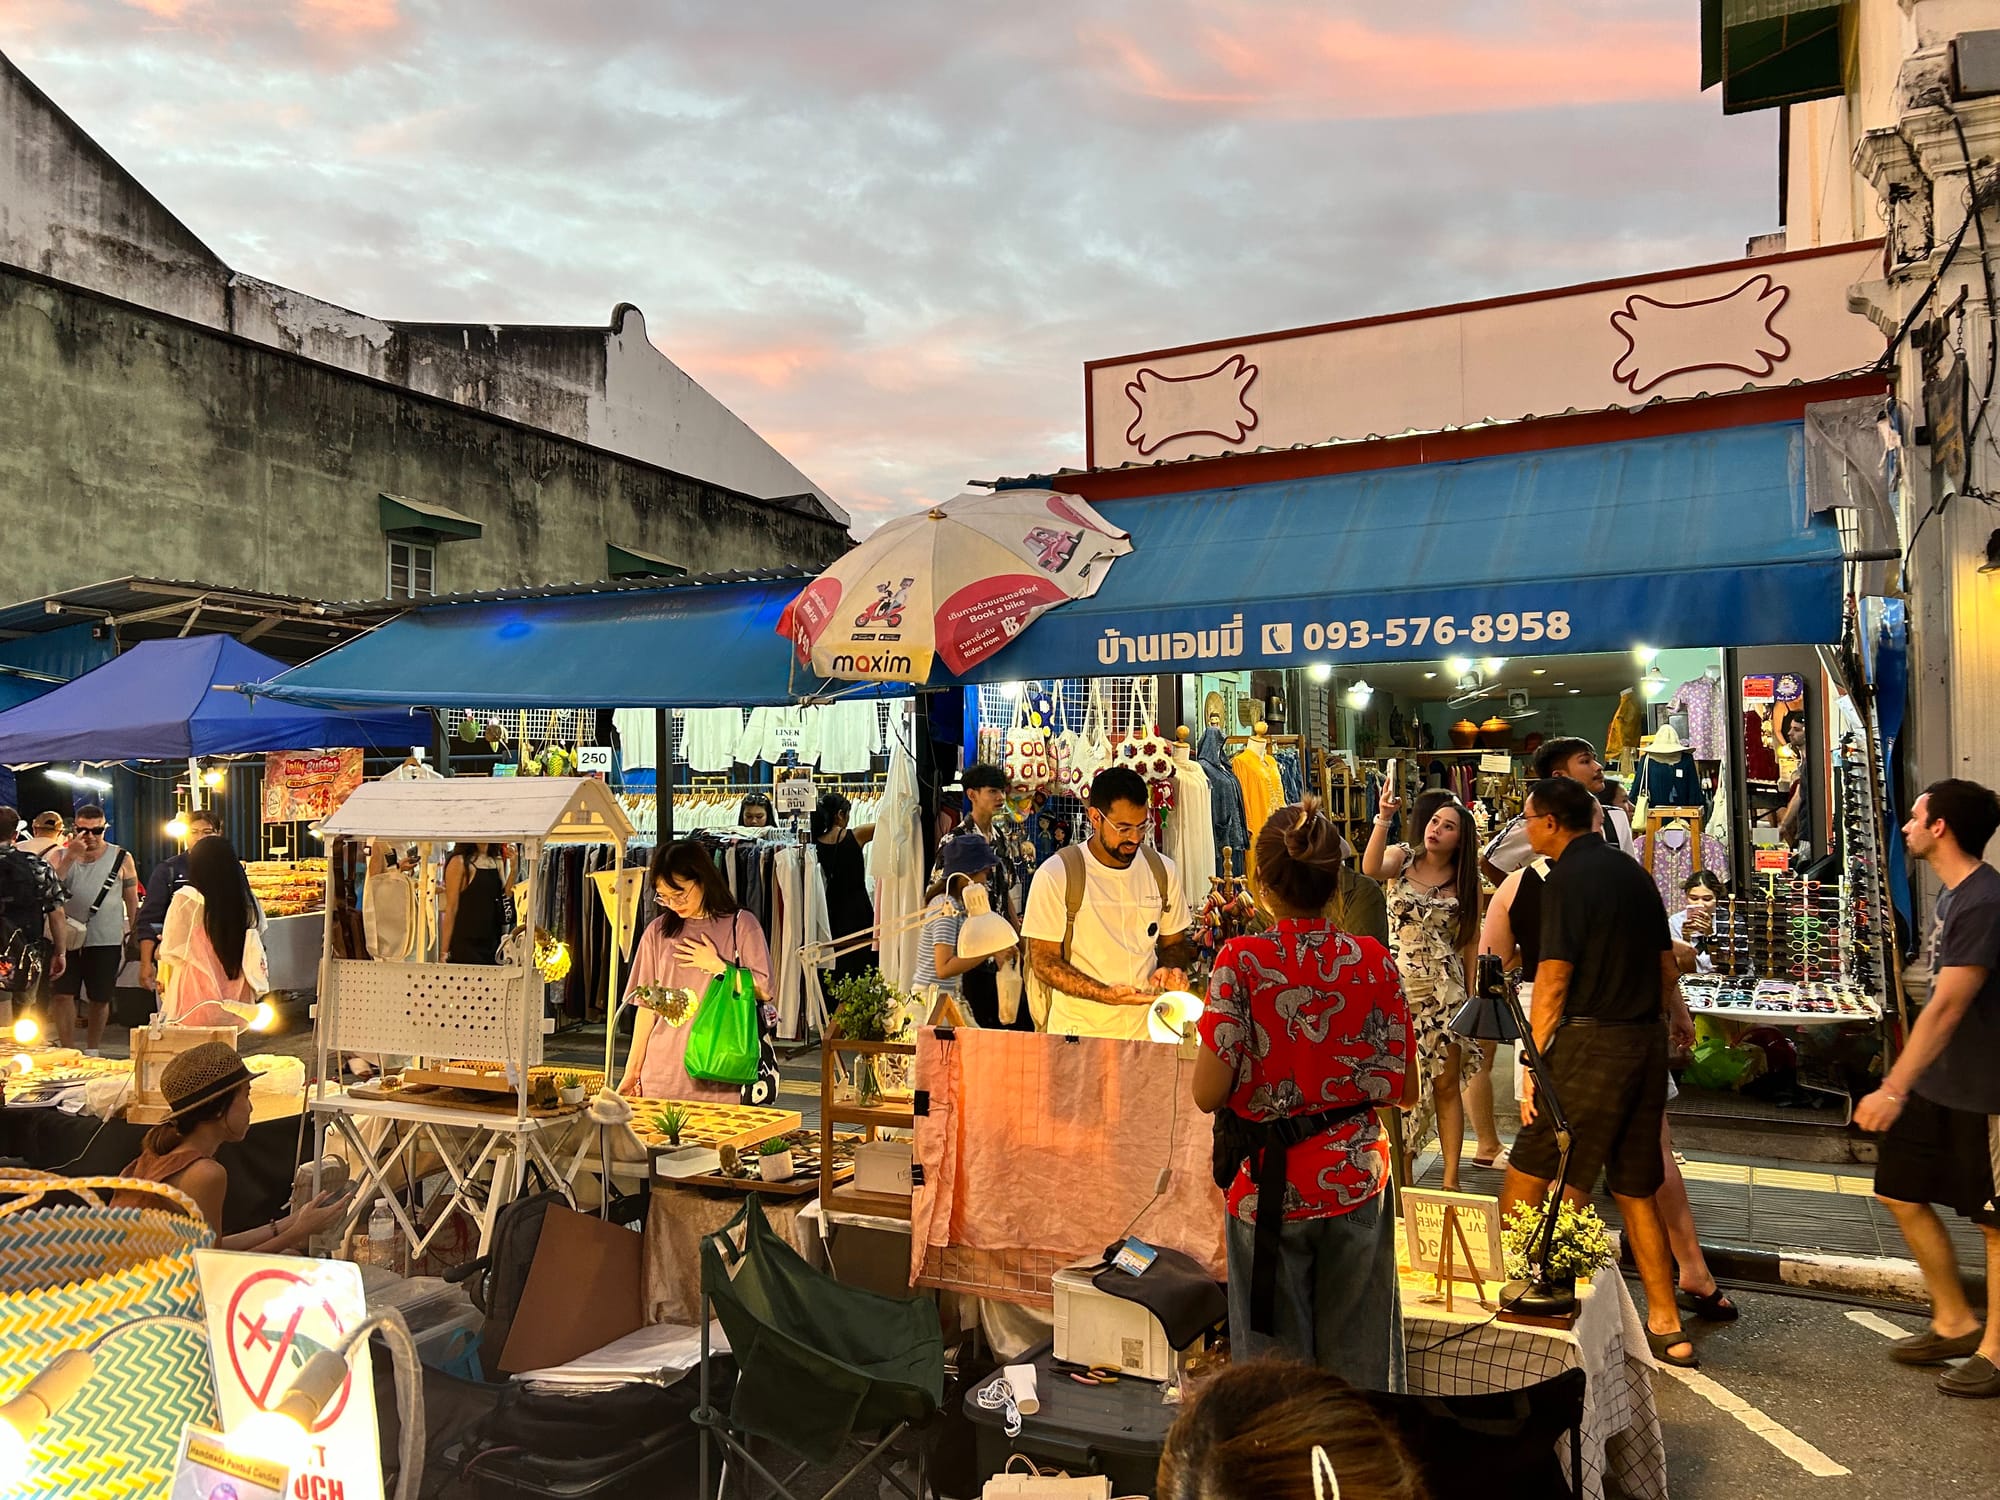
<point x="1225" y="797"/>
<point x="896" y="861"/>
<point x="1668" y="776"/>
<point x="843" y="868"/>
<point x="841" y="738"/>
<point x="1699" y="702"/>
<point x="1627" y="727"/>
<point x="1190" y="842"/>
<point x="1256" y="770"/>
<point x="1760" y="762"/>
<point x="1673" y="853"/>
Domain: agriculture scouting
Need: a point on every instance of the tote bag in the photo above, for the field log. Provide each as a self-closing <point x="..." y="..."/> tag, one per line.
<point x="722" y="1038"/>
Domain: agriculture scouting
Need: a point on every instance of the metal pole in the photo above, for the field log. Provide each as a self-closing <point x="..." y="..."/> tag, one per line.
<point x="663" y="772"/>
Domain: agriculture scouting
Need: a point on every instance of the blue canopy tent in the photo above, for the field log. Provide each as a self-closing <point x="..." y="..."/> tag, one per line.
<point x="681" y="645"/>
<point x="171" y="700"/>
<point x="1697" y="539"/>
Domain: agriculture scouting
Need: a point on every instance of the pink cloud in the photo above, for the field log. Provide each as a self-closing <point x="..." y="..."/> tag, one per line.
<point x="1275" y="58"/>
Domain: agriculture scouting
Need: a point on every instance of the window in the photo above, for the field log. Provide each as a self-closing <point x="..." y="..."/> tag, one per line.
<point x="412" y="570"/>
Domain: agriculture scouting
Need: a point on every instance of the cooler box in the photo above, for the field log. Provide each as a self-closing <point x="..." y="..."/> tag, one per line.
<point x="1095" y="1328"/>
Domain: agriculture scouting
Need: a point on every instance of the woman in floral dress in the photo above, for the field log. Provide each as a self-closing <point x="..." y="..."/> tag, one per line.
<point x="1434" y="933"/>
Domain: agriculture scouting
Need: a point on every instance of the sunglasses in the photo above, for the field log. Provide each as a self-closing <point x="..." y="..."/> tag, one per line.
<point x="96" y="832"/>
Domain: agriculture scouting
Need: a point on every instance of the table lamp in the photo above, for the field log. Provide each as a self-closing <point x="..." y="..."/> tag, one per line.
<point x="1493" y="1014"/>
<point x="983" y="934"/>
<point x="1170" y="1015"/>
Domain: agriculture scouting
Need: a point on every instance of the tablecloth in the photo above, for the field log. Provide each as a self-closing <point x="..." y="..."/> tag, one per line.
<point x="1460" y="1353"/>
<point x="676" y="1220"/>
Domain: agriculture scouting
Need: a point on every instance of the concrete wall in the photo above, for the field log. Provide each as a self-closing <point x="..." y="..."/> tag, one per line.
<point x="131" y="442"/>
<point x="69" y="211"/>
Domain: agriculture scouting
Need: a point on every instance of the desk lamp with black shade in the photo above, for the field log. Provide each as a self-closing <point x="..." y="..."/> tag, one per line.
<point x="1494" y="1014"/>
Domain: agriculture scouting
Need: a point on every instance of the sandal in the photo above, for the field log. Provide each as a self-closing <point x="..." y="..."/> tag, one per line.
<point x="1660" y="1343"/>
<point x="1496" y="1162"/>
<point x="1714" y="1308"/>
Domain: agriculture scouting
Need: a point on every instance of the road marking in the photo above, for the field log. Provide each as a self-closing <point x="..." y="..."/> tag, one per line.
<point x="1787" y="1442"/>
<point x="1876" y="1323"/>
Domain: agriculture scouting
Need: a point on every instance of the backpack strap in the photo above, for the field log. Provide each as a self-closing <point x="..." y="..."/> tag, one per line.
<point x="1159" y="868"/>
<point x="1071" y="856"/>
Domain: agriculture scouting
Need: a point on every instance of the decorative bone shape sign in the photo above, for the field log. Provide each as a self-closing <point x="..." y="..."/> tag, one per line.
<point x="1736" y="331"/>
<point x="1212" y="404"/>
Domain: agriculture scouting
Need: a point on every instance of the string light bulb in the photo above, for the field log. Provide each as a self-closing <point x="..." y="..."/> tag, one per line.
<point x="27" y="1031"/>
<point x="213" y="777"/>
<point x="177" y="828"/>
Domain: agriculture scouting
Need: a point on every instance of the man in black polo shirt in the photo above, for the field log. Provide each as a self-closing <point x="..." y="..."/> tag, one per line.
<point x="1605" y="971"/>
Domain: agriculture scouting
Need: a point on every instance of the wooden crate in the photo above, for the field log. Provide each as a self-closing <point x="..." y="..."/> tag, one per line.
<point x="151" y="1052"/>
<point x="713" y="1124"/>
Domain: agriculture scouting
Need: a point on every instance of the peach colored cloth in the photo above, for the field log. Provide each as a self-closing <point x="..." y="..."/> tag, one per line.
<point x="194" y="974"/>
<point x="1052" y="1145"/>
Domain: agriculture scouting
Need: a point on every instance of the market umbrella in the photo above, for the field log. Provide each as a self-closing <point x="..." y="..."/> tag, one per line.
<point x="955" y="582"/>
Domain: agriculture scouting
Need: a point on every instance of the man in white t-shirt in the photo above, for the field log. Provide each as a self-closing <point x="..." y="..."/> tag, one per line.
<point x="1130" y="936"/>
<point x="1508" y="849"/>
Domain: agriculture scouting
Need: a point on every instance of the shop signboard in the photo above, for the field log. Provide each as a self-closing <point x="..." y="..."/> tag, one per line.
<point x="267" y="1315"/>
<point x="303" y="786"/>
<point x="1424" y="1232"/>
<point x="794" y="797"/>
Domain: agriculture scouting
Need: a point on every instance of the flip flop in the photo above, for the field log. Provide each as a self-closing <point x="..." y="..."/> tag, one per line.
<point x="1714" y="1308"/>
<point x="1660" y="1343"/>
<point x="1494" y="1163"/>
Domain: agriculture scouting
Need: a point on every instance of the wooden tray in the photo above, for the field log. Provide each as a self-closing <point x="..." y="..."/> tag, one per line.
<point x="471" y="1101"/>
<point x="491" y="1077"/>
<point x="713" y="1124"/>
<point x="805" y="1179"/>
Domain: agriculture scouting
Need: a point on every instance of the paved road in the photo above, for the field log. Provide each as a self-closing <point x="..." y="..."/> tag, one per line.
<point x="1811" y="1367"/>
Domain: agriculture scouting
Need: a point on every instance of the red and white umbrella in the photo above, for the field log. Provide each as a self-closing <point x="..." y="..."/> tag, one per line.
<point x="956" y="582"/>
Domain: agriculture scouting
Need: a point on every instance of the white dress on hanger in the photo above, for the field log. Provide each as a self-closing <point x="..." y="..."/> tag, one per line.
<point x="899" y="870"/>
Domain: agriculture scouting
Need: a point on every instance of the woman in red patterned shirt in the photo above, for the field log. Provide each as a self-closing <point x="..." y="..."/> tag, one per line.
<point x="1306" y="1033"/>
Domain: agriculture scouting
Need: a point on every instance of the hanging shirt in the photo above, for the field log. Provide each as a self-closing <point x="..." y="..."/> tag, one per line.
<point x="1671" y="783"/>
<point x="708" y="738"/>
<point x="1675" y="858"/>
<point x="850" y="735"/>
<point x="1707" y="724"/>
<point x="638" y="738"/>
<point x="1263" y="794"/>
<point x="1311" y="1019"/>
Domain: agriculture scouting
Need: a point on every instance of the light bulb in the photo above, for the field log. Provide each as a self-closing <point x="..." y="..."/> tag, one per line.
<point x="1014" y="690"/>
<point x="1653" y="683"/>
<point x="1645" y="655"/>
<point x="1320" y="671"/>
<point x="16" y="1453"/>
<point x="26" y="1031"/>
<point x="212" y="777"/>
<point x="1459" y="665"/>
<point x="1492" y="665"/>
<point x="273" y="1436"/>
<point x="265" y="1018"/>
<point x="177" y="829"/>
<point x="20" y="1062"/>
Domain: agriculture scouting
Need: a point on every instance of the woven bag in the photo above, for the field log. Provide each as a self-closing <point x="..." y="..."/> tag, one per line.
<point x="71" y="1273"/>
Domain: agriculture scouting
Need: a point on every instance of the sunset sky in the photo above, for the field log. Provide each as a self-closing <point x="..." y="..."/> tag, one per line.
<point x="889" y="234"/>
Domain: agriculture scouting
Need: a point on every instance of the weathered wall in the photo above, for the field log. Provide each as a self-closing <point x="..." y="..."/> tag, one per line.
<point x="131" y="442"/>
<point x="70" y="211"/>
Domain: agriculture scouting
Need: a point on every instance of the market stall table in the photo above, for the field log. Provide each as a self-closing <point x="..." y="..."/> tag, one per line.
<point x="1465" y="1353"/>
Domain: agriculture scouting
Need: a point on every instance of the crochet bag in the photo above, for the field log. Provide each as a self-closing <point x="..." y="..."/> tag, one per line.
<point x="71" y="1273"/>
<point x="1024" y="756"/>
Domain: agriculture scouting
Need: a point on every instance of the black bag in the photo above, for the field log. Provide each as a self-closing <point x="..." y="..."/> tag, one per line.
<point x="25" y="950"/>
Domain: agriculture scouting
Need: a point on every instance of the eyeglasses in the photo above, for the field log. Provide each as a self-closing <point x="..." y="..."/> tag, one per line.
<point x="1129" y="830"/>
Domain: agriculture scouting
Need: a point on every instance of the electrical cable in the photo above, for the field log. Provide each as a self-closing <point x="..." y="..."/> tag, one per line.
<point x="998" y="1395"/>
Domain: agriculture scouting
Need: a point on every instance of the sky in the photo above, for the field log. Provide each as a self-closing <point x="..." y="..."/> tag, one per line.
<point x="888" y="235"/>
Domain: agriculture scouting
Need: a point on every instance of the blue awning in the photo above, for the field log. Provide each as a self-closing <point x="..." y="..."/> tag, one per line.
<point x="677" y="646"/>
<point x="1700" y="539"/>
<point x="170" y="700"/>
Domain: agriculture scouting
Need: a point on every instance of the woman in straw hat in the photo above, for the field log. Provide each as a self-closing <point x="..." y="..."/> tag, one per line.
<point x="207" y="1090"/>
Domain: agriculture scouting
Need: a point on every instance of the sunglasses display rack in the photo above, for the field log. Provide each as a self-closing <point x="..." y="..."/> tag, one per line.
<point x="1785" y="951"/>
<point x="1861" y="857"/>
<point x="1745" y="999"/>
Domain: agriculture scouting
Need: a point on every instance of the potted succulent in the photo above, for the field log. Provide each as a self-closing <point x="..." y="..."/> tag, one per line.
<point x="1580" y="1246"/>
<point x="670" y="1121"/>
<point x="570" y="1089"/>
<point x="774" y="1160"/>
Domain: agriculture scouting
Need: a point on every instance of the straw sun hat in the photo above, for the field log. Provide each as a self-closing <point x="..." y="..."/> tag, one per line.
<point x="201" y="1075"/>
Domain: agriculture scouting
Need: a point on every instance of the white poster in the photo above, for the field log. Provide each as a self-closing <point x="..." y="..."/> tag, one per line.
<point x="268" y="1315"/>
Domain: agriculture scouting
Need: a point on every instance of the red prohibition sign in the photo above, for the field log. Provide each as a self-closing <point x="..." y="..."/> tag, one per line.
<point x="258" y="1348"/>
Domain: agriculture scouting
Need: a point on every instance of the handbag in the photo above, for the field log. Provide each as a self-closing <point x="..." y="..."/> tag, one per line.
<point x="1024" y="755"/>
<point x="74" y="931"/>
<point x="723" y="1044"/>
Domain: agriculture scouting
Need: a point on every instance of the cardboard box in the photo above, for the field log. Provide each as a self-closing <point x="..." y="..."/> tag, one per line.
<point x="883" y="1167"/>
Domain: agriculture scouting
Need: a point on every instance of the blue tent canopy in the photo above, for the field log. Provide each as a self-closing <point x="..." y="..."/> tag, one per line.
<point x="170" y="700"/>
<point x="707" y="645"/>
<point x="1699" y="539"/>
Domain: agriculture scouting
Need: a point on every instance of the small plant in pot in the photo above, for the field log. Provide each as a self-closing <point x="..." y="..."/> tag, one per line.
<point x="1580" y="1246"/>
<point x="670" y="1121"/>
<point x="774" y="1160"/>
<point x="865" y="1010"/>
<point x="569" y="1088"/>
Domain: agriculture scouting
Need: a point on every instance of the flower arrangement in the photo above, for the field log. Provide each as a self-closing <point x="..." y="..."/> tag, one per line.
<point x="1581" y="1243"/>
<point x="865" y="1008"/>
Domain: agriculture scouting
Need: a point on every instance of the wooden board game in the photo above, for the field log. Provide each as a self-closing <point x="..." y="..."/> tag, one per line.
<point x="714" y="1124"/>
<point x="480" y="1076"/>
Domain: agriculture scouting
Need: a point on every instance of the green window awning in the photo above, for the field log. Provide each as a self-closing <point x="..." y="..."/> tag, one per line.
<point x="630" y="562"/>
<point x="403" y="517"/>
<point x="1766" y="53"/>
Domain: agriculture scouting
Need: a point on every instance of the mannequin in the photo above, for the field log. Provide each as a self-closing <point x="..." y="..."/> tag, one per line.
<point x="1263" y="788"/>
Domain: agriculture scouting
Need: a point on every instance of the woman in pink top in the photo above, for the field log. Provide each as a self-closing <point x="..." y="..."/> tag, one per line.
<point x="701" y="933"/>
<point x="211" y="959"/>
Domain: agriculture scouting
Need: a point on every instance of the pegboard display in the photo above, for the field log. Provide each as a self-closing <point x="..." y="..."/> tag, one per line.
<point x="427" y="1010"/>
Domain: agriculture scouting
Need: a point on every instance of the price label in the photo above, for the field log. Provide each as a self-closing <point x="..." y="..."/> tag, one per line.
<point x="594" y="760"/>
<point x="1773" y="861"/>
<point x="794" y="796"/>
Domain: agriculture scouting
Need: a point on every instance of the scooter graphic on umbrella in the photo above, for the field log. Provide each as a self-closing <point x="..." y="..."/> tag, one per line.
<point x="887" y="610"/>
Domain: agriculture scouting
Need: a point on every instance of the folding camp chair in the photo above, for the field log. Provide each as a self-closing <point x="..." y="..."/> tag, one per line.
<point x="1500" y="1445"/>
<point x="820" y="1367"/>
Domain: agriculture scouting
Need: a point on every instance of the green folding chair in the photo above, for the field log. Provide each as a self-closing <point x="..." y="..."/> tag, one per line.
<point x="821" y="1368"/>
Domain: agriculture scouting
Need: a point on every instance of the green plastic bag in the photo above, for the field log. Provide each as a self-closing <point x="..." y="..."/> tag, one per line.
<point x="722" y="1038"/>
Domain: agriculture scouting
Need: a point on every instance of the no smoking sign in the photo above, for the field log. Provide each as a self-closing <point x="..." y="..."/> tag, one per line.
<point x="267" y="1315"/>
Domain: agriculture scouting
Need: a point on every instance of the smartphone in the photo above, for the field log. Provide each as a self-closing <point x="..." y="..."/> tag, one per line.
<point x="1395" y="786"/>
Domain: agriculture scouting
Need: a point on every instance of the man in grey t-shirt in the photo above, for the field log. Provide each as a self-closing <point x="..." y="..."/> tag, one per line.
<point x="1940" y="1103"/>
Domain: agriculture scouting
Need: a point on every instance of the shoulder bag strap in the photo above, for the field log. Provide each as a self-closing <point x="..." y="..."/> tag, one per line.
<point x="117" y="863"/>
<point x="1159" y="868"/>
